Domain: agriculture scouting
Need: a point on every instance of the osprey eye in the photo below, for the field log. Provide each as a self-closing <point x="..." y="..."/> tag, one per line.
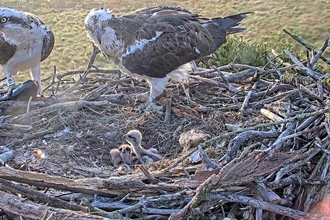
<point x="4" y="20"/>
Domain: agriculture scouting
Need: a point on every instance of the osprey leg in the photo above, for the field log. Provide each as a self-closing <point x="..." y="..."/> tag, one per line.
<point x="157" y="86"/>
<point x="35" y="75"/>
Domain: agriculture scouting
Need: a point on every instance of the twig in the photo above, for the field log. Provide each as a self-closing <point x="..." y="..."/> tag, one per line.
<point x="91" y="61"/>
<point x="73" y="105"/>
<point x="307" y="46"/>
<point x="284" y="138"/>
<point x="29" y="210"/>
<point x="319" y="54"/>
<point x="144" y="170"/>
<point x="272" y="62"/>
<point x="206" y="160"/>
<point x="281" y="210"/>
<point x="248" y="97"/>
<point x="311" y="153"/>
<point x="41" y="197"/>
<point x="287" y="132"/>
<point x="18" y="127"/>
<point x="168" y="107"/>
<point x="227" y="84"/>
<point x="264" y="192"/>
<point x="179" y="160"/>
<point x="30" y="137"/>
<point x="28" y="105"/>
<point x="221" y="75"/>
<point x="303" y="88"/>
<point x="123" y="208"/>
<point x="203" y="189"/>
<point x="314" y="75"/>
<point x="299" y="116"/>
<point x="272" y="116"/>
<point x="243" y="137"/>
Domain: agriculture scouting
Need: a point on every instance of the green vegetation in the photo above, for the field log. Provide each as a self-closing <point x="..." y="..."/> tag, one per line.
<point x="307" y="19"/>
<point x="239" y="51"/>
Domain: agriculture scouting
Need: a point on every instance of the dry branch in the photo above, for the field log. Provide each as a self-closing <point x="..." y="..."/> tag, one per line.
<point x="20" y="207"/>
<point x="307" y="46"/>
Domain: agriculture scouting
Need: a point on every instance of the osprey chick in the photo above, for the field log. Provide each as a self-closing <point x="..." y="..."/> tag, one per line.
<point x="25" y="42"/>
<point x="159" y="42"/>
<point x="134" y="138"/>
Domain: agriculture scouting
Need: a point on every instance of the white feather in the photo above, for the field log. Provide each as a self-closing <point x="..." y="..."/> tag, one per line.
<point x="102" y="15"/>
<point x="139" y="45"/>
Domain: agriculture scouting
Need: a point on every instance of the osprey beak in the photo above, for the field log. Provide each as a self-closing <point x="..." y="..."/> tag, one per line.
<point x="99" y="34"/>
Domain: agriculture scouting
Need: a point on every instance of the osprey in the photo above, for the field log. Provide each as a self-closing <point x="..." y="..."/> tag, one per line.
<point x="25" y="42"/>
<point x="158" y="43"/>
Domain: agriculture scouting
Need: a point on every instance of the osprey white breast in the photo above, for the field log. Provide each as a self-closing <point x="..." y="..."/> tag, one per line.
<point x="25" y="42"/>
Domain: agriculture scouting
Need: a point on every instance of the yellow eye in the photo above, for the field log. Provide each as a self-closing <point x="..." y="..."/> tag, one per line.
<point x="4" y="20"/>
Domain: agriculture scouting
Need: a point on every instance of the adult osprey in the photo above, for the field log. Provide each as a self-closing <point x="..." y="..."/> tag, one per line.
<point x="157" y="43"/>
<point x="25" y="42"/>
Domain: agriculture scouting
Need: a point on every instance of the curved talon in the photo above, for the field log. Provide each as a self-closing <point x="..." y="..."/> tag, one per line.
<point x="151" y="106"/>
<point x="9" y="93"/>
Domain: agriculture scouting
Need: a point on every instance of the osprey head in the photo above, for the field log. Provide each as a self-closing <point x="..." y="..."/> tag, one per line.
<point x="134" y="137"/>
<point x="96" y="21"/>
<point x="10" y="18"/>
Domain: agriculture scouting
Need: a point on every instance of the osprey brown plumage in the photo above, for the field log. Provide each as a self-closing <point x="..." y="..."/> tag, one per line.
<point x="156" y="42"/>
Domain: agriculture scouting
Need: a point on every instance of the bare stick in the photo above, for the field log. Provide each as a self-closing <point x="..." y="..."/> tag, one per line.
<point x="272" y="62"/>
<point x="206" y="160"/>
<point x="307" y="46"/>
<point x="179" y="160"/>
<point x="30" y="137"/>
<point x="272" y="116"/>
<point x="309" y="92"/>
<point x="200" y="191"/>
<point x="4" y="157"/>
<point x="74" y="105"/>
<point x="28" y="105"/>
<point x="298" y="116"/>
<point x="168" y="108"/>
<point x="264" y="192"/>
<point x="41" y="197"/>
<point x="90" y="64"/>
<point x="29" y="210"/>
<point x="290" y="167"/>
<point x="144" y="170"/>
<point x="227" y="84"/>
<point x="284" y="138"/>
<point x="248" y="97"/>
<point x="319" y="54"/>
<point x="314" y="75"/>
<point x="17" y="127"/>
<point x="281" y="210"/>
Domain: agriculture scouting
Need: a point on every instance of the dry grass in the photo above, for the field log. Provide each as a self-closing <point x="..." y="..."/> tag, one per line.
<point x="72" y="49"/>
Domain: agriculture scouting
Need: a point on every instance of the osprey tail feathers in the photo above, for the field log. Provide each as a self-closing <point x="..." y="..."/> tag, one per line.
<point x="231" y="22"/>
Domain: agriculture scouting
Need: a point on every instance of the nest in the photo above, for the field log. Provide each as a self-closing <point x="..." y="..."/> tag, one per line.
<point x="250" y="144"/>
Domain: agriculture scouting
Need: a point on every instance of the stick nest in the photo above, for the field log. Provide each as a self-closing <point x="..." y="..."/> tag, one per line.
<point x="253" y="143"/>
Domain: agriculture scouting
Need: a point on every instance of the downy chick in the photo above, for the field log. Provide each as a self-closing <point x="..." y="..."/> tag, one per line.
<point x="134" y="137"/>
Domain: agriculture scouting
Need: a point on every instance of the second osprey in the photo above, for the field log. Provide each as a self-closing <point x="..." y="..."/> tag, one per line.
<point x="157" y="43"/>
